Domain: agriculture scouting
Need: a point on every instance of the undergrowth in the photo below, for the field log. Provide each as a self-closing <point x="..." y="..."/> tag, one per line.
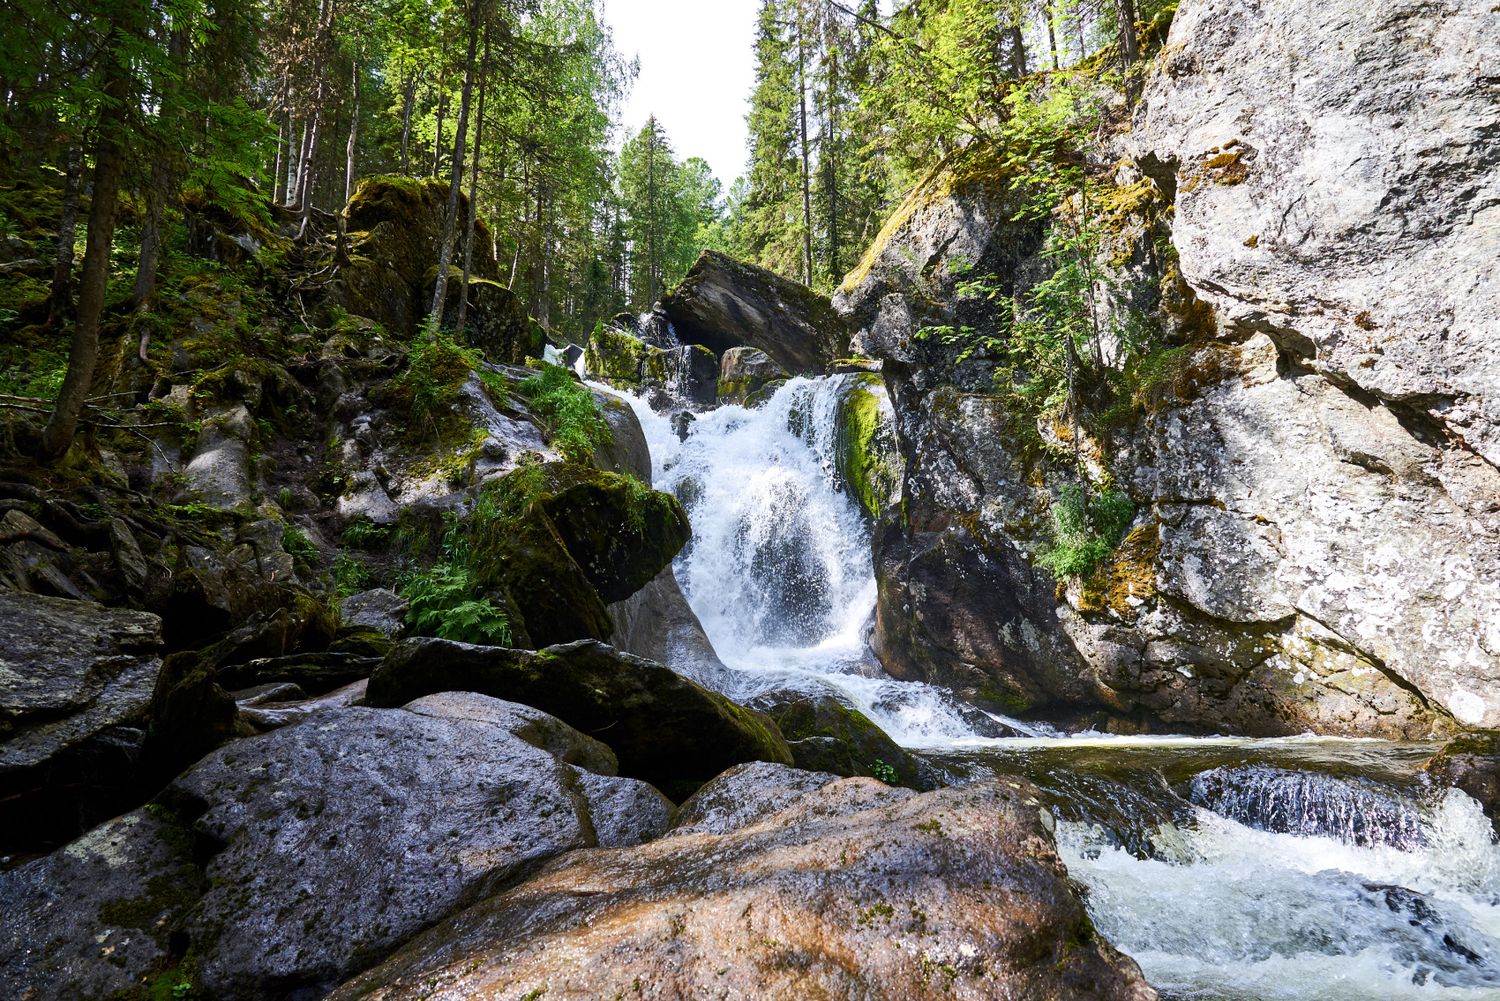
<point x="442" y="598"/>
<point x="1084" y="534"/>
<point x="571" y="413"/>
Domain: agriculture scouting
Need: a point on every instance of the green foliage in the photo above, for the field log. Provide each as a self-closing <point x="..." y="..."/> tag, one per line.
<point x="427" y="390"/>
<point x="671" y="210"/>
<point x="31" y="372"/>
<point x="362" y="533"/>
<point x="571" y="412"/>
<point x="1084" y="534"/>
<point x="884" y="772"/>
<point x="349" y="575"/>
<point x="443" y="601"/>
<point x="300" y="548"/>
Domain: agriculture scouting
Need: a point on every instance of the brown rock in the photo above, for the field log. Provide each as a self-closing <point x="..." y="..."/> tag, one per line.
<point x="856" y="890"/>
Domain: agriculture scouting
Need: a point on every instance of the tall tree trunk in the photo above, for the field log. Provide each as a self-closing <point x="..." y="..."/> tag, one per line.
<point x="807" y="256"/>
<point x="408" y="98"/>
<point x="1017" y="51"/>
<point x="279" y="163"/>
<point x="437" y="144"/>
<point x="456" y="178"/>
<point x="283" y="138"/>
<point x="353" y="134"/>
<point x="1129" y="47"/>
<point x="325" y="53"/>
<point x="299" y="166"/>
<point x="1050" y="14"/>
<point x="67" y="236"/>
<point x="83" y="356"/>
<point x="150" y="256"/>
<point x="463" y="300"/>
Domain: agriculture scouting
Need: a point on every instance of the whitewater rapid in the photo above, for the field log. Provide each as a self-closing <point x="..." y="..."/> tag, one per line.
<point x="1237" y="883"/>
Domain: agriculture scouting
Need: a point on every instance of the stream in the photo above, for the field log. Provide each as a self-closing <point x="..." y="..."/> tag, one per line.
<point x="1231" y="869"/>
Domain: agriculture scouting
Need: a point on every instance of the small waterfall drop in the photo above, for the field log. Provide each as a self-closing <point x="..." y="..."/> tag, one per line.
<point x="779" y="568"/>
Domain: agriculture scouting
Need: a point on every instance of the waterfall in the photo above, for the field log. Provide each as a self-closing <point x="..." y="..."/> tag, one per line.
<point x="779" y="568"/>
<point x="1232" y="869"/>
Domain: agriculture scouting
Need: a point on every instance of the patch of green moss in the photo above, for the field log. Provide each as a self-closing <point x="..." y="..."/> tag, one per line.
<point x="865" y="459"/>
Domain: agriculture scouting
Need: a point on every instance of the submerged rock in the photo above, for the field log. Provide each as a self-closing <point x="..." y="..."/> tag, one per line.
<point x="662" y="727"/>
<point x="723" y="303"/>
<point x="853" y="889"/>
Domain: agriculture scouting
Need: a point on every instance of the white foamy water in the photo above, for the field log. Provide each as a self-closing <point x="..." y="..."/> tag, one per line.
<point x="1299" y="889"/>
<point x="779" y="568"/>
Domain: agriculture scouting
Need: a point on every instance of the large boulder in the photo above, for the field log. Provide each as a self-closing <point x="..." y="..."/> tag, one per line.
<point x="282" y="864"/>
<point x="744" y="372"/>
<point x="723" y="303"/>
<point x="657" y="623"/>
<point x="664" y="728"/>
<point x="75" y="685"/>
<point x="395" y="227"/>
<point x="1312" y="204"/>
<point x="574" y="540"/>
<point x="680" y="374"/>
<point x="855" y="889"/>
<point x="826" y="735"/>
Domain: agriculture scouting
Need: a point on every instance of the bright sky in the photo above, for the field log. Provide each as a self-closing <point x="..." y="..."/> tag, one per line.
<point x="697" y="68"/>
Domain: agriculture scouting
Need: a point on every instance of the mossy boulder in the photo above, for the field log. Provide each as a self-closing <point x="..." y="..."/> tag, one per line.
<point x="723" y="303"/>
<point x="743" y="372"/>
<point x="664" y="728"/>
<point x="562" y="541"/>
<point x="687" y="373"/>
<point x="395" y="227"/>
<point x="496" y="322"/>
<point x="826" y="735"/>
<point x="869" y="458"/>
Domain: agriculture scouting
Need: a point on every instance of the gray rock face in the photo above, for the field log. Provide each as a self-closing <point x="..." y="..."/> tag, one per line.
<point x="327" y="844"/>
<point x="723" y="303"/>
<point x="744" y="372"/>
<point x="69" y="670"/>
<point x="850" y="890"/>
<point x="1344" y="198"/>
<point x="1317" y="536"/>
<point x="219" y="471"/>
<point x="96" y="917"/>
<point x="657" y="623"/>
<point x="744" y="795"/>
<point x="381" y="609"/>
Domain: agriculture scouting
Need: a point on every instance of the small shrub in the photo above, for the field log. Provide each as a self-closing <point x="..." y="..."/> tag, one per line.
<point x="349" y="575"/>
<point x="884" y="772"/>
<point x="300" y="548"/>
<point x="572" y="415"/>
<point x="1083" y="536"/>
<point x="443" y="605"/>
<point x="362" y="533"/>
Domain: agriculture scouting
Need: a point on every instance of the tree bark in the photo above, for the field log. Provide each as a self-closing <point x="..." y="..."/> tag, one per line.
<point x="305" y="187"/>
<point x="456" y="178"/>
<point x="299" y="166"/>
<point x="1129" y="48"/>
<point x="463" y="300"/>
<point x="67" y="236"/>
<point x="83" y="356"/>
<point x="1052" y="36"/>
<point x="437" y="145"/>
<point x="807" y="259"/>
<point x="408" y="98"/>
<point x="353" y="134"/>
<point x="150" y="256"/>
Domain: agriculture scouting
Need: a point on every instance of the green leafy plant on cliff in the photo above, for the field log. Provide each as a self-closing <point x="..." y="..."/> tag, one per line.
<point x="1084" y="531"/>
<point x="443" y="601"/>
<point x="571" y="413"/>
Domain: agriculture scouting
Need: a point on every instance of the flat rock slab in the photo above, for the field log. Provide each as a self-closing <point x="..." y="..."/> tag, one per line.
<point x="855" y="890"/>
<point x="69" y="670"/>
<point x="664" y="728"/>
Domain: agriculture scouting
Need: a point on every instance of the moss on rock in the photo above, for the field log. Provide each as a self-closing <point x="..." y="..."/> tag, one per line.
<point x="868" y="460"/>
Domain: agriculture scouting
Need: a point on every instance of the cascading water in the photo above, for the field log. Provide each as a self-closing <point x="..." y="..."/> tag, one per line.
<point x="1299" y="869"/>
<point x="779" y="568"/>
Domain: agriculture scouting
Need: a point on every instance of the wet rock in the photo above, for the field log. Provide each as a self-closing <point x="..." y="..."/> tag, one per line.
<point x="723" y="303"/>
<point x="191" y="713"/>
<point x="745" y="795"/>
<point x="677" y="373"/>
<point x="744" y="372"/>
<point x="70" y="672"/>
<point x="313" y="672"/>
<point x="657" y="623"/>
<point x="662" y="727"/>
<point x="271" y="713"/>
<point x="625" y="812"/>
<point x="826" y="735"/>
<point x="1472" y="763"/>
<point x="382" y="610"/>
<point x="341" y="837"/>
<point x="540" y="730"/>
<point x="98" y="918"/>
<point x="626" y="452"/>
<point x="868" y="457"/>
<point x="852" y="890"/>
